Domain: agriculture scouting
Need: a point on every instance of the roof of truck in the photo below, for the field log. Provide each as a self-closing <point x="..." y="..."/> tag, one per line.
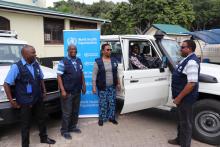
<point x="116" y="37"/>
<point x="11" y="40"/>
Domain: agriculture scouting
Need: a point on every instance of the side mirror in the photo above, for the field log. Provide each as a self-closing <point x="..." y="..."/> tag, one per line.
<point x="163" y="64"/>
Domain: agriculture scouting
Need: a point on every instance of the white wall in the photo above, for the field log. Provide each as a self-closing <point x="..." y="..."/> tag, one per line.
<point x="151" y="31"/>
<point x="31" y="29"/>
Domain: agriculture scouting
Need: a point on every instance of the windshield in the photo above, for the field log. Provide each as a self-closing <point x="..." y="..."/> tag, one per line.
<point x="10" y="53"/>
<point x="173" y="49"/>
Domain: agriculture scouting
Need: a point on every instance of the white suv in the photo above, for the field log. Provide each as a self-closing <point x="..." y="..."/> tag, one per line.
<point x="10" y="52"/>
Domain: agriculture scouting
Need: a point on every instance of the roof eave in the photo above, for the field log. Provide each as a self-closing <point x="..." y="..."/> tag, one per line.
<point x="180" y="34"/>
<point x="54" y="13"/>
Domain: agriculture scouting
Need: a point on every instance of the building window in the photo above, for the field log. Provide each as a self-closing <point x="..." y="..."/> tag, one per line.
<point x="4" y="23"/>
<point x="53" y="31"/>
<point x="75" y="25"/>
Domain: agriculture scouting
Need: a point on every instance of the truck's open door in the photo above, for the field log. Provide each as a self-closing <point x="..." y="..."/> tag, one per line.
<point x="143" y="88"/>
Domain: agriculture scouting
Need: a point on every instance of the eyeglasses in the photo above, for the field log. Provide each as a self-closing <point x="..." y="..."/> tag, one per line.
<point x="109" y="50"/>
<point x="182" y="47"/>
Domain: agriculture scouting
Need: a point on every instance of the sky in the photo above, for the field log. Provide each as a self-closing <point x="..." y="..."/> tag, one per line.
<point x="50" y="2"/>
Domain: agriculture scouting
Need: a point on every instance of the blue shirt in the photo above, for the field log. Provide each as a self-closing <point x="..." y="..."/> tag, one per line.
<point x="14" y="71"/>
<point x="60" y="68"/>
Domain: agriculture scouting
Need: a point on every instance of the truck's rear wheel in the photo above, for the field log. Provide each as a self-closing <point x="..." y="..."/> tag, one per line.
<point x="206" y="126"/>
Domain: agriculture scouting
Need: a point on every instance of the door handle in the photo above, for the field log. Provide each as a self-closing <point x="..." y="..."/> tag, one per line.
<point x="134" y="81"/>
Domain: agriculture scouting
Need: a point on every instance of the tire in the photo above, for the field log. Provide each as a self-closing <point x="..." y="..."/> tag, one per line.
<point x="206" y="121"/>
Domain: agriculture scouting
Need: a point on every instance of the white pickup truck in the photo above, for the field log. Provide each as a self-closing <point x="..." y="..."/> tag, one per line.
<point x="10" y="52"/>
<point x="147" y="88"/>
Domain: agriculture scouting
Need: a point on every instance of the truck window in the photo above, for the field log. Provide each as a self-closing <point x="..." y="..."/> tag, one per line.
<point x="116" y="49"/>
<point x="142" y="55"/>
<point x="173" y="49"/>
<point x="10" y="53"/>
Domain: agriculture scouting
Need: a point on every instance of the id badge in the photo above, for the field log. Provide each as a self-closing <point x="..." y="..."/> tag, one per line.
<point x="29" y="88"/>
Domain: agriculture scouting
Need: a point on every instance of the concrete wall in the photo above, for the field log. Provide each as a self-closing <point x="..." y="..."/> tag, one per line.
<point x="31" y="29"/>
<point x="28" y="28"/>
<point x="178" y="38"/>
<point x="151" y="31"/>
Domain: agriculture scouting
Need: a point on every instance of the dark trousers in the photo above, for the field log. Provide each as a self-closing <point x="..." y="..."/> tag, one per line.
<point x="184" y="128"/>
<point x="26" y="117"/>
<point x="70" y="112"/>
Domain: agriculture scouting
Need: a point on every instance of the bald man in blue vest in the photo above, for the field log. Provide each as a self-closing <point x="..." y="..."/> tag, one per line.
<point x="71" y="82"/>
<point x="27" y="77"/>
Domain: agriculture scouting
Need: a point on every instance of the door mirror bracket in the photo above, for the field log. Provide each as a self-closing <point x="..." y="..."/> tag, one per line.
<point x="163" y="64"/>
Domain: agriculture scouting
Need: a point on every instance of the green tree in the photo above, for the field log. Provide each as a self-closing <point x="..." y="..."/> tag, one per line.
<point x="135" y="16"/>
<point x="103" y="10"/>
<point x="71" y="6"/>
<point x="147" y="12"/>
<point x="122" y="21"/>
<point x="207" y="14"/>
<point x="100" y="9"/>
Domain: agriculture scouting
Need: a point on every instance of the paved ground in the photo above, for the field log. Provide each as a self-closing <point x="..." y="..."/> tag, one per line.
<point x="147" y="128"/>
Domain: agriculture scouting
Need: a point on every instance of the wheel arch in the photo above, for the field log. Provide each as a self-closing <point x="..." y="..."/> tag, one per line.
<point x="203" y="96"/>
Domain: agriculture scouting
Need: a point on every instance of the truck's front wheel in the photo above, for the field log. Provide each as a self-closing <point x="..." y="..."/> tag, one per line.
<point x="206" y="126"/>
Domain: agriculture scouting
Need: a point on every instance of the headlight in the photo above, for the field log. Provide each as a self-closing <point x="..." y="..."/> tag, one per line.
<point x="3" y="96"/>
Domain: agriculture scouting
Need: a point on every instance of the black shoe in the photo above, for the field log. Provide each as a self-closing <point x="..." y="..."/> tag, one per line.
<point x="174" y="141"/>
<point x="113" y="121"/>
<point x="67" y="136"/>
<point x="47" y="140"/>
<point x="100" y="123"/>
<point x="75" y="130"/>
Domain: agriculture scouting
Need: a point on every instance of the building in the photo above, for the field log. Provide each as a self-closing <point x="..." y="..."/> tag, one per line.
<point x="173" y="31"/>
<point x="41" y="27"/>
<point x="176" y="32"/>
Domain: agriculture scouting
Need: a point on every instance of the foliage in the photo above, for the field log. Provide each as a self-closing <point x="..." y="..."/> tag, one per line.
<point x="137" y="16"/>
<point x="207" y="14"/>
<point x="71" y="6"/>
<point x="147" y="12"/>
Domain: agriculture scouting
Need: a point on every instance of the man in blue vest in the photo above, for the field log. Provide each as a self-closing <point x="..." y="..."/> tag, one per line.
<point x="71" y="82"/>
<point x="27" y="77"/>
<point x="185" y="92"/>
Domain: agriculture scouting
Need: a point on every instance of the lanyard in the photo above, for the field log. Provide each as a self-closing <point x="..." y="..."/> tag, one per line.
<point x="74" y="63"/>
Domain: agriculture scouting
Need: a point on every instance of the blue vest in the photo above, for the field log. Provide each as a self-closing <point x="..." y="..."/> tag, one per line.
<point x="101" y="75"/>
<point x="23" y="79"/>
<point x="72" y="76"/>
<point x="179" y="81"/>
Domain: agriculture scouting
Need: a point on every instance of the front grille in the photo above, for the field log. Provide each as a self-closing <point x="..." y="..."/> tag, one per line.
<point x="51" y="85"/>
